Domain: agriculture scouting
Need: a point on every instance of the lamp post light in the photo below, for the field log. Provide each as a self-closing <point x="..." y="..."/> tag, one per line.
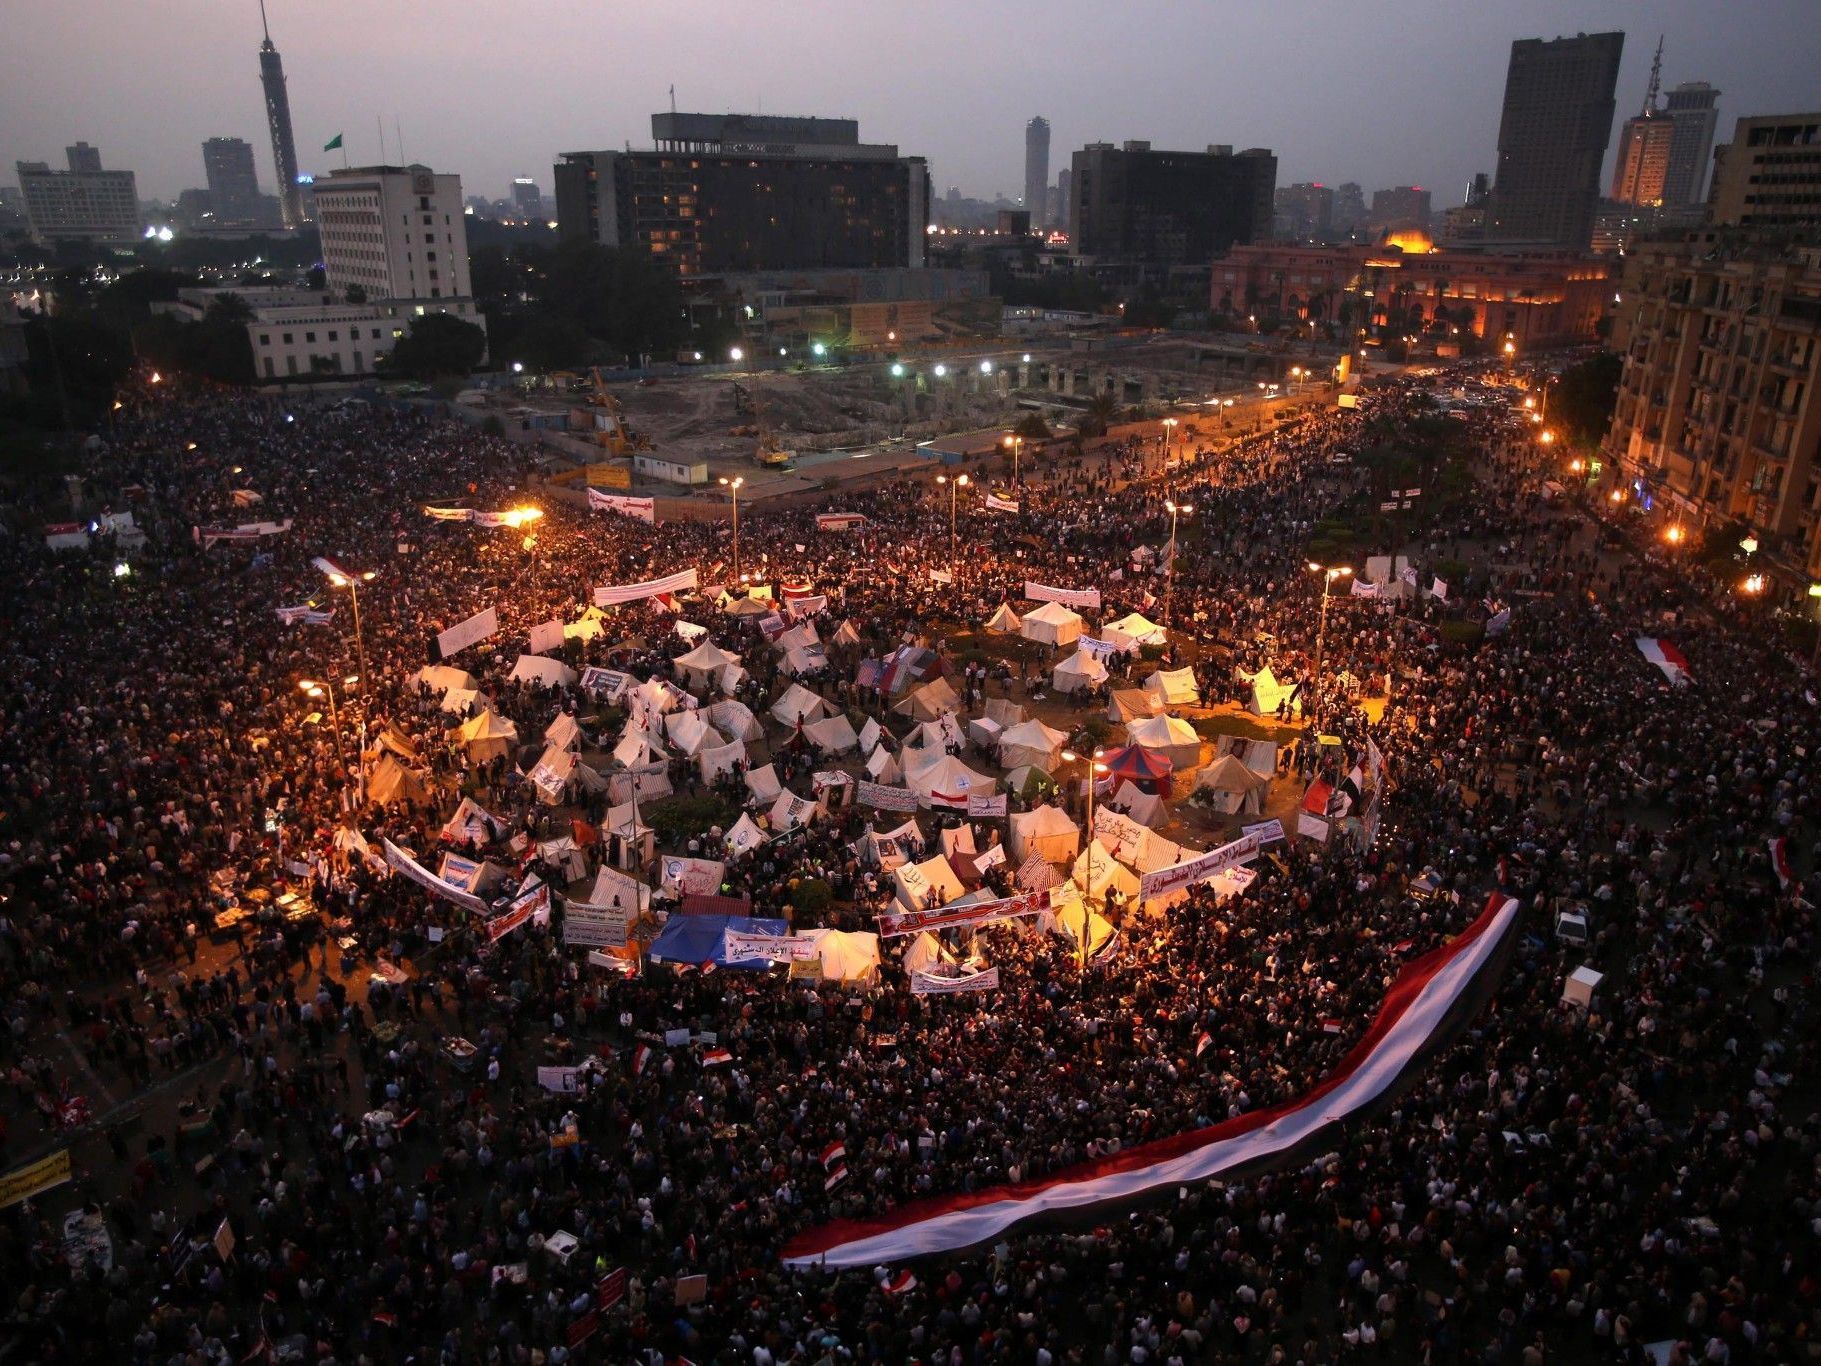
<point x="340" y="578"/>
<point x="733" y="487"/>
<point x="1169" y="582"/>
<point x="1814" y="591"/>
<point x="955" y="485"/>
<point x="1170" y="425"/>
<point x="311" y="688"/>
<point x="1329" y="574"/>
<point x="1094" y="769"/>
<point x="1015" y="444"/>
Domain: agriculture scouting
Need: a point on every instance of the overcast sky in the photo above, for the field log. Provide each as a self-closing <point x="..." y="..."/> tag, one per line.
<point x="1380" y="91"/>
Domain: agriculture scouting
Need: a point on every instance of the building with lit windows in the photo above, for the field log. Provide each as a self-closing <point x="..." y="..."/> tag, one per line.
<point x="82" y="204"/>
<point x="1718" y="415"/>
<point x="1769" y="176"/>
<point x="1536" y="298"/>
<point x="393" y="232"/>
<point x="727" y="193"/>
<point x="1553" y="131"/>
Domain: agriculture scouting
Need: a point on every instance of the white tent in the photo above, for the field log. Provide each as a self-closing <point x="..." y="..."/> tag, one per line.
<point x="690" y="876"/>
<point x="587" y="626"/>
<point x="1045" y="831"/>
<point x="390" y="782"/>
<point x="869" y="736"/>
<point x="1234" y="788"/>
<point x="714" y="760"/>
<point x="1170" y="737"/>
<point x="1077" y="673"/>
<point x="1258" y="755"/>
<point x="1147" y="808"/>
<point x="845" y="634"/>
<point x="1126" y="705"/>
<point x="689" y="732"/>
<point x="442" y="677"/>
<point x="1006" y="712"/>
<point x="547" y="673"/>
<point x="834" y="735"/>
<point x="944" y="780"/>
<point x="801" y="636"/>
<point x="614" y="890"/>
<point x="1052" y="624"/>
<point x="688" y="632"/>
<point x="938" y="734"/>
<point x="924" y="951"/>
<point x="882" y="766"/>
<point x="565" y="854"/>
<point x="887" y="849"/>
<point x="654" y="697"/>
<point x="564" y="731"/>
<point x="1132" y="631"/>
<point x="1173" y="687"/>
<point x="735" y="720"/>
<point x="918" y="884"/>
<point x="649" y="783"/>
<point x="983" y="731"/>
<point x="957" y="839"/>
<point x="1098" y="873"/>
<point x="1267" y="693"/>
<point x="804" y="659"/>
<point x="745" y="836"/>
<point x="1072" y="917"/>
<point x="457" y="701"/>
<point x="929" y="701"/>
<point x="748" y="607"/>
<point x="472" y="821"/>
<point x="705" y="663"/>
<point x="789" y="811"/>
<point x="846" y="956"/>
<point x="623" y="820"/>
<point x="763" y="784"/>
<point x="551" y="774"/>
<point x="1004" y="622"/>
<point x="487" y="736"/>
<point x="637" y="747"/>
<point x="1031" y="742"/>
<point x="798" y="703"/>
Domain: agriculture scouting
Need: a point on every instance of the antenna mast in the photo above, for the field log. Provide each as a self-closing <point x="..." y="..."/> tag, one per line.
<point x="1656" y="79"/>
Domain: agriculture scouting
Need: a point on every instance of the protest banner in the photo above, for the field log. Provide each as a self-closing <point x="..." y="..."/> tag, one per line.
<point x="609" y="594"/>
<point x="1163" y="881"/>
<point x="924" y="984"/>
<point x="470" y="632"/>
<point x="1068" y="597"/>
<point x="884" y="797"/>
<point x="895" y="923"/>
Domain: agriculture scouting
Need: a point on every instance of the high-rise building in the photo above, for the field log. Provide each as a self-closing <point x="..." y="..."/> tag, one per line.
<point x="83" y="159"/>
<point x="1553" y="131"/>
<point x="1037" y="170"/>
<point x="1769" y="176"/>
<point x="233" y="183"/>
<point x="1303" y="210"/>
<point x="90" y="205"/>
<point x="278" y="119"/>
<point x="394" y="232"/>
<point x="1349" y="207"/>
<point x="527" y="198"/>
<point x="1691" y="106"/>
<point x="1642" y="165"/>
<point x="1156" y="210"/>
<point x="726" y="193"/>
<point x="1718" y="413"/>
<point x="1401" y="206"/>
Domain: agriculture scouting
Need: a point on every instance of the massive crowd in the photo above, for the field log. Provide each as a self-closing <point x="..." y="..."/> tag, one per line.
<point x="1559" y="1183"/>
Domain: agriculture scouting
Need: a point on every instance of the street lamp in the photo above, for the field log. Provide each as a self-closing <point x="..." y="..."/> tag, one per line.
<point x="986" y="367"/>
<point x="1170" y="425"/>
<point x="1015" y="444"/>
<point x="310" y="688"/>
<point x="1169" y="582"/>
<point x="1754" y="584"/>
<point x="1674" y="533"/>
<point x="897" y="370"/>
<point x="1094" y="769"/>
<point x="1329" y="574"/>
<point x="1546" y="436"/>
<point x="941" y="370"/>
<point x="733" y="487"/>
<point x="955" y="485"/>
<point x="1814" y="591"/>
<point x="736" y="354"/>
<point x="342" y="578"/>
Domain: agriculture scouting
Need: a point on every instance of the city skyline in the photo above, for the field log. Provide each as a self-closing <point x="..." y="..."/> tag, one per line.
<point x="1294" y="82"/>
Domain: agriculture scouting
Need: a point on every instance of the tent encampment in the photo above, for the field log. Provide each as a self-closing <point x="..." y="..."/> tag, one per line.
<point x="916" y="885"/>
<point x="704" y="664"/>
<point x="798" y="703"/>
<point x="1258" y="755"/>
<point x="390" y="782"/>
<point x="545" y="673"/>
<point x="1173" y="687"/>
<point x="1133" y="631"/>
<point x="924" y="951"/>
<point x="564" y="731"/>
<point x="1079" y="672"/>
<point x="1127" y="705"/>
<point x="736" y="721"/>
<point x="1169" y="736"/>
<point x="1233" y="788"/>
<point x="763" y="784"/>
<point x="1052" y="624"/>
<point x="1004" y="622"/>
<point x="442" y="677"/>
<point x="832" y="735"/>
<point x="1006" y="712"/>
<point x="747" y="607"/>
<point x="714" y="760"/>
<point x="1267" y="693"/>
<point x="689" y="733"/>
<point x="929" y="701"/>
<point x="1045" y="831"/>
<point x="1147" y="808"/>
<point x="1031" y="743"/>
<point x="845" y="955"/>
<point x="698" y="939"/>
<point x="941" y="779"/>
<point x="882" y="766"/>
<point x="488" y="736"/>
<point x="1098" y="873"/>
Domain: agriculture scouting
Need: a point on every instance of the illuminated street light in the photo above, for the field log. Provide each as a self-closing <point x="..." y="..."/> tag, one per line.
<point x="1329" y="574"/>
<point x="736" y="354"/>
<point x="955" y="485"/>
<point x="733" y="487"/>
<point x="1169" y="582"/>
<point x="1674" y="534"/>
<point x="941" y="370"/>
<point x="817" y="348"/>
<point x="1754" y="584"/>
<point x="986" y="367"/>
<point x="897" y="370"/>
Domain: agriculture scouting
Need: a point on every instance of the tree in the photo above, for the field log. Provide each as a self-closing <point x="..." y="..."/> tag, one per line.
<point x="620" y="296"/>
<point x="1585" y="396"/>
<point x="1102" y="412"/>
<point x="437" y="344"/>
<point x="1032" y="427"/>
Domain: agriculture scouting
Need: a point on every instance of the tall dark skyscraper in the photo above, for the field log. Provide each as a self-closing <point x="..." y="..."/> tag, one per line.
<point x="1037" y="169"/>
<point x="233" y="186"/>
<point x="278" y="117"/>
<point x="1553" y="133"/>
<point x="1691" y="107"/>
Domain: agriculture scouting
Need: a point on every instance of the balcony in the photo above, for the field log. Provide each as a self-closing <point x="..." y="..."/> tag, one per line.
<point x="1788" y="365"/>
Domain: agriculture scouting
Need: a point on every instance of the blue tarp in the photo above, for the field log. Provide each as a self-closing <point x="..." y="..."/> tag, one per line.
<point x="701" y="939"/>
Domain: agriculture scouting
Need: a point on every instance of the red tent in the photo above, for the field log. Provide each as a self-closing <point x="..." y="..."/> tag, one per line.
<point x="1142" y="766"/>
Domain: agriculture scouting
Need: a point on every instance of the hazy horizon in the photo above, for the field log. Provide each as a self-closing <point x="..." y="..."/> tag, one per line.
<point x="1392" y="93"/>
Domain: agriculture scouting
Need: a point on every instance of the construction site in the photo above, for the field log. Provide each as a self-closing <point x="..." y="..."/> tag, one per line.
<point x="795" y="428"/>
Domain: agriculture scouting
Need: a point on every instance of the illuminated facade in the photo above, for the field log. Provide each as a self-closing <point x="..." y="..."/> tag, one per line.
<point x="1717" y="416"/>
<point x="728" y="193"/>
<point x="1536" y="298"/>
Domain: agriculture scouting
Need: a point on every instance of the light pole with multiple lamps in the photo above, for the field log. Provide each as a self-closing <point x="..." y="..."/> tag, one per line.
<point x="342" y="578"/>
<point x="1329" y="574"/>
<point x="1094" y="769"/>
<point x="955" y="485"/>
<point x="1170" y="425"/>
<point x="733" y="487"/>
<point x="309" y="687"/>
<point x="1169" y="581"/>
<point x="1015" y="444"/>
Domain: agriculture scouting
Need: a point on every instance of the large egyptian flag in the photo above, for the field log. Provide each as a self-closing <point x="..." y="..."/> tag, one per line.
<point x="1426" y="1006"/>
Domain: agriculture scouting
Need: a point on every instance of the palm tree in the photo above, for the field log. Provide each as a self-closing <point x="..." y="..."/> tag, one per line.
<point x="1102" y="412"/>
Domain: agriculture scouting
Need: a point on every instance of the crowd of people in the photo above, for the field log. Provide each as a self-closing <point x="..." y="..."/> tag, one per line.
<point x="1560" y="1182"/>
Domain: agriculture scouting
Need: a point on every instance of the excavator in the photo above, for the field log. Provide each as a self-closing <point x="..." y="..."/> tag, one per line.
<point x="608" y="428"/>
<point x="770" y="453"/>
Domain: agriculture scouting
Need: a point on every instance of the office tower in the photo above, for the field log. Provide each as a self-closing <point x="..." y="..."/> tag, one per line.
<point x="1691" y="107"/>
<point x="1161" y="209"/>
<point x="1553" y="131"/>
<point x="1769" y="176"/>
<point x="724" y="193"/>
<point x="396" y="232"/>
<point x="90" y="205"/>
<point x="1402" y="206"/>
<point x="527" y="199"/>
<point x="83" y="159"/>
<point x="1349" y="207"/>
<point x="1305" y="209"/>
<point x="278" y="118"/>
<point x="1037" y="170"/>
<point x="1639" y="170"/>
<point x="233" y="183"/>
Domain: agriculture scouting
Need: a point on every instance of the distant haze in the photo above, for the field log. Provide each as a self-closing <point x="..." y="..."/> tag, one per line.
<point x="1385" y="92"/>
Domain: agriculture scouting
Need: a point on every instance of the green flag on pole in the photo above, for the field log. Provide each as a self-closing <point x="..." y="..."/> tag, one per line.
<point x="332" y="143"/>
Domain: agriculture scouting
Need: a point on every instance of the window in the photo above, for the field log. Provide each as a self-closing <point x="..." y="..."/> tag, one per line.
<point x="309" y="336"/>
<point x="376" y="334"/>
<point x="265" y="338"/>
<point x="334" y="337"/>
<point x="287" y="339"/>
